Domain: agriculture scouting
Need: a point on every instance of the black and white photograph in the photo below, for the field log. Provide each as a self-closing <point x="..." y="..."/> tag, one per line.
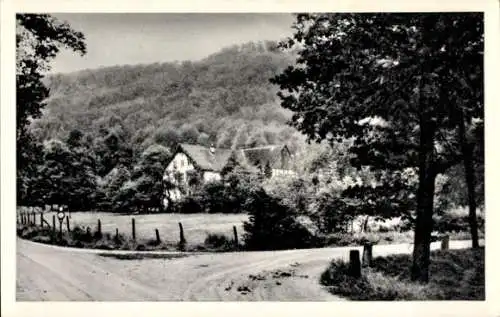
<point x="239" y="156"/>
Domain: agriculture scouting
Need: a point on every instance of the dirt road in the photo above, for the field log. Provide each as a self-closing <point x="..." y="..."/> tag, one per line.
<point x="59" y="274"/>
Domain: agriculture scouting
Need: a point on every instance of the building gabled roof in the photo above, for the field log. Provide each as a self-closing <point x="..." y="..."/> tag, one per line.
<point x="261" y="155"/>
<point x="250" y="159"/>
<point x="203" y="158"/>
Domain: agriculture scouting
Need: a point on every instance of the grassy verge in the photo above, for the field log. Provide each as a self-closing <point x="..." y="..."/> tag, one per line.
<point x="142" y="256"/>
<point x="80" y="238"/>
<point x="454" y="275"/>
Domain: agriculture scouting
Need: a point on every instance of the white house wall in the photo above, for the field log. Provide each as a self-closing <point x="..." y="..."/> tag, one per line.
<point x="180" y="164"/>
<point x="211" y="176"/>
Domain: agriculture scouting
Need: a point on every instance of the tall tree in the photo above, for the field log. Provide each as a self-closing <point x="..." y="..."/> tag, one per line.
<point x="39" y="37"/>
<point x="464" y="116"/>
<point x="145" y="188"/>
<point x="387" y="81"/>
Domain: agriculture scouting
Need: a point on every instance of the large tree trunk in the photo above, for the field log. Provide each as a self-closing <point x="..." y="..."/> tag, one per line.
<point x="423" y="228"/>
<point x="467" y="151"/>
<point x="425" y="205"/>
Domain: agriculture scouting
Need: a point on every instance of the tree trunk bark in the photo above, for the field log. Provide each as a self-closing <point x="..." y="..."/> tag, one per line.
<point x="365" y="224"/>
<point x="425" y="205"/>
<point x="467" y="151"/>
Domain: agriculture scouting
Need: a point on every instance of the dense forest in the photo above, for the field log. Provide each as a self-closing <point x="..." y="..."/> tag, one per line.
<point x="224" y="99"/>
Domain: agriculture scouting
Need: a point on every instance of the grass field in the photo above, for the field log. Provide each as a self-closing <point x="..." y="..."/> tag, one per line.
<point x="196" y="226"/>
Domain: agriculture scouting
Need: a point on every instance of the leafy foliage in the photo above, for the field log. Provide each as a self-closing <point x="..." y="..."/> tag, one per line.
<point x="394" y="84"/>
<point x="273" y="226"/>
<point x="39" y="38"/>
<point x="145" y="188"/>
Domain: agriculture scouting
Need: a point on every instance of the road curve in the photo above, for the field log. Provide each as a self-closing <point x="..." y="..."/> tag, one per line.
<point x="47" y="273"/>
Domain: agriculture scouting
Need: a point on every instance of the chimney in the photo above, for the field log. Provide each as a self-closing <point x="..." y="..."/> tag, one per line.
<point x="212" y="149"/>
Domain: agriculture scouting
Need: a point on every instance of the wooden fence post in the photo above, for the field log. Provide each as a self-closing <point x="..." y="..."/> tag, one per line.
<point x="181" y="234"/>
<point x="158" y="241"/>
<point x="445" y="243"/>
<point x="354" y="264"/>
<point x="60" y="228"/>
<point x="41" y="219"/>
<point x="54" y="224"/>
<point x="235" y="233"/>
<point x="367" y="254"/>
<point x="34" y="218"/>
<point x="67" y="224"/>
<point x="99" y="229"/>
<point x="133" y="229"/>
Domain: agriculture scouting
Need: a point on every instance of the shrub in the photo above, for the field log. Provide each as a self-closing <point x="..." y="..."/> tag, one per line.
<point x="450" y="222"/>
<point x="189" y="205"/>
<point x="78" y="234"/>
<point x="218" y="241"/>
<point x="226" y="196"/>
<point x="273" y="226"/>
<point x="332" y="214"/>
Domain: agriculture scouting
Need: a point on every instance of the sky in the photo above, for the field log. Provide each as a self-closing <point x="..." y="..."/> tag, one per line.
<point x="135" y="38"/>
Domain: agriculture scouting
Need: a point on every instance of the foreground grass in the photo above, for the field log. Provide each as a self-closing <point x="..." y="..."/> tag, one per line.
<point x="454" y="275"/>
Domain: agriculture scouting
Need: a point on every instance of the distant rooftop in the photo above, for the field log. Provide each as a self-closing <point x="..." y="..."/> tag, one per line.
<point x="250" y="158"/>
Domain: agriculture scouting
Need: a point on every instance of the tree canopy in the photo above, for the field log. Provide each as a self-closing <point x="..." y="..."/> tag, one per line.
<point x="393" y="83"/>
<point x="39" y="38"/>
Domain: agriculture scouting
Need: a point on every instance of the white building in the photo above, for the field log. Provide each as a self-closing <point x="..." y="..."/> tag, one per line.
<point x="192" y="164"/>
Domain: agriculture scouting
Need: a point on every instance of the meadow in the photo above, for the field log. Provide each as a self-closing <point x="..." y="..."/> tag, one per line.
<point x="196" y="226"/>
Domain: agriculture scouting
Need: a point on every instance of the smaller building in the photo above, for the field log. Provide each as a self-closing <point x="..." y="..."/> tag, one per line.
<point x="194" y="164"/>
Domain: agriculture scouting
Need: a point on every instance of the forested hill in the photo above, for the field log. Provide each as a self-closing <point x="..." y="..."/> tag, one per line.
<point x="225" y="98"/>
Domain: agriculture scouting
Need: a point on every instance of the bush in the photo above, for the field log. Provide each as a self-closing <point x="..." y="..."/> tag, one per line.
<point x="273" y="226"/>
<point x="189" y="205"/>
<point x="332" y="214"/>
<point x="360" y="238"/>
<point x="78" y="234"/>
<point x="219" y="242"/>
<point x="217" y="197"/>
<point x="450" y="222"/>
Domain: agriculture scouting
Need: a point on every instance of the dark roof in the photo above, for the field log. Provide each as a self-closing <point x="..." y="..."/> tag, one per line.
<point x="263" y="154"/>
<point x="203" y="159"/>
<point x="249" y="158"/>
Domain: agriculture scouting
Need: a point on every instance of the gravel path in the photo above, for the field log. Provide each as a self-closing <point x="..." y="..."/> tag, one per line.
<point x="48" y="273"/>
